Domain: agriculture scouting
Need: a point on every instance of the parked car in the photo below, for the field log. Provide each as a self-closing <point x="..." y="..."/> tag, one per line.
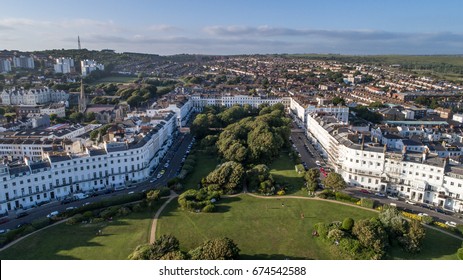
<point x="392" y="197"/>
<point x="451" y="224"/>
<point x="318" y="163"/>
<point x="380" y="194"/>
<point x="410" y="202"/>
<point x="422" y="214"/>
<point x="53" y="214"/>
<point x="364" y="191"/>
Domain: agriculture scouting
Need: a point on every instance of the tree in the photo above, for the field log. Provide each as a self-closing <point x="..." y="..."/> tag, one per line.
<point x="53" y="118"/>
<point x="334" y="181"/>
<point x="412" y="240"/>
<point x="371" y="234"/>
<point x="392" y="221"/>
<point x="76" y="117"/>
<point x="135" y="100"/>
<point x="166" y="244"/>
<point x="377" y="104"/>
<point x="216" y="249"/>
<point x="338" y="100"/>
<point x="312" y="174"/>
<point x="227" y="176"/>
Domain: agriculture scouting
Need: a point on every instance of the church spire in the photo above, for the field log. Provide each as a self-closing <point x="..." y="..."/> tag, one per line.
<point x="82" y="98"/>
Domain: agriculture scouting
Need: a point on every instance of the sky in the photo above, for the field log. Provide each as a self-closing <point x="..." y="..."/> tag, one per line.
<point x="235" y="26"/>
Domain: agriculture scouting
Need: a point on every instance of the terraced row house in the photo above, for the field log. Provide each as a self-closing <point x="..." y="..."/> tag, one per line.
<point x="122" y="160"/>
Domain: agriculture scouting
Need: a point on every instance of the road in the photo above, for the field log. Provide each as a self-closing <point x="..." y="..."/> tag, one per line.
<point x="174" y="155"/>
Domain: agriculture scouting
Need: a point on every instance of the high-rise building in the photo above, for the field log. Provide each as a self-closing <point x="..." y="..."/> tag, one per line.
<point x="23" y="62"/>
<point x="5" y="66"/>
<point x="90" y="65"/>
<point x="64" y="65"/>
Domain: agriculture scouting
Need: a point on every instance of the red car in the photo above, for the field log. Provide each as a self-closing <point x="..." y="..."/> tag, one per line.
<point x="323" y="171"/>
<point x="364" y="191"/>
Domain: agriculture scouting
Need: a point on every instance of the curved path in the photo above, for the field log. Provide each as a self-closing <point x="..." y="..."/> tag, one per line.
<point x="27" y="235"/>
<point x="156" y="217"/>
<point x="245" y="192"/>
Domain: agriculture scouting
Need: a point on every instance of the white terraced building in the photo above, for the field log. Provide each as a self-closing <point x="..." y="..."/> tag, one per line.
<point x="32" y="96"/>
<point x="60" y="174"/>
<point x="419" y="176"/>
<point x="228" y="100"/>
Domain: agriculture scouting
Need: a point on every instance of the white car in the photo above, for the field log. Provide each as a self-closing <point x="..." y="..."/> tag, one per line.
<point x="393" y="197"/>
<point x="422" y="214"/>
<point x="451" y="224"/>
<point x="410" y="202"/>
<point x="53" y="214"/>
<point x="318" y="163"/>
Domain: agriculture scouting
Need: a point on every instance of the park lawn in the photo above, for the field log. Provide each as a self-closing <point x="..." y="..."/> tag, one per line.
<point x="265" y="229"/>
<point x="115" y="79"/>
<point x="262" y="228"/>
<point x="283" y="172"/>
<point x="435" y="246"/>
<point x="205" y="163"/>
<point x="120" y="237"/>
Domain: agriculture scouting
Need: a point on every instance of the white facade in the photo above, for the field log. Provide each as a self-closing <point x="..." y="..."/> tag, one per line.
<point x="32" y="96"/>
<point x="23" y="62"/>
<point x="90" y="65"/>
<point x="119" y="164"/>
<point x="227" y="100"/>
<point x="57" y="109"/>
<point x="5" y="66"/>
<point x="63" y="65"/>
<point x="301" y="111"/>
<point x="182" y="111"/>
<point x="418" y="176"/>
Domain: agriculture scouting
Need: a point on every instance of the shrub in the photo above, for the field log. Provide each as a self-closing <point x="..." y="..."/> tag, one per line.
<point x="460" y="254"/>
<point x="123" y="211"/>
<point x="327" y="194"/>
<point x="40" y="223"/>
<point x="165" y="191"/>
<point x="88" y="215"/>
<point x="367" y="203"/>
<point x="77" y="218"/>
<point x="98" y="220"/>
<point x="347" y="224"/>
<point x="321" y="229"/>
<point x="137" y="208"/>
<point x="172" y="182"/>
<point x="208" y="208"/>
<point x="336" y="234"/>
<point x="281" y="192"/>
<point x="345" y="197"/>
<point x="427" y="220"/>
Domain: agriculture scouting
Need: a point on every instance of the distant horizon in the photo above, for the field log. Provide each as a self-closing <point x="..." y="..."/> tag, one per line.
<point x="243" y="54"/>
<point x="356" y="27"/>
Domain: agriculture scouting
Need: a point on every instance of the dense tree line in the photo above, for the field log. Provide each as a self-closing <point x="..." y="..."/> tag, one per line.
<point x="167" y="247"/>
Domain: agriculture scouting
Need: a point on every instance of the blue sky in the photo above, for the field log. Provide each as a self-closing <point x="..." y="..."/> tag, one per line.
<point x="235" y="27"/>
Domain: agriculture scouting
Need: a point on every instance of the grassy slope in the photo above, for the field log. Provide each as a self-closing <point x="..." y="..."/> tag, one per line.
<point x="119" y="239"/>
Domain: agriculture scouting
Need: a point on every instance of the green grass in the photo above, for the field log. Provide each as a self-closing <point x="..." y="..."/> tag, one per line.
<point x="119" y="239"/>
<point x="205" y="163"/>
<point x="264" y="229"/>
<point x="283" y="172"/>
<point x="115" y="79"/>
